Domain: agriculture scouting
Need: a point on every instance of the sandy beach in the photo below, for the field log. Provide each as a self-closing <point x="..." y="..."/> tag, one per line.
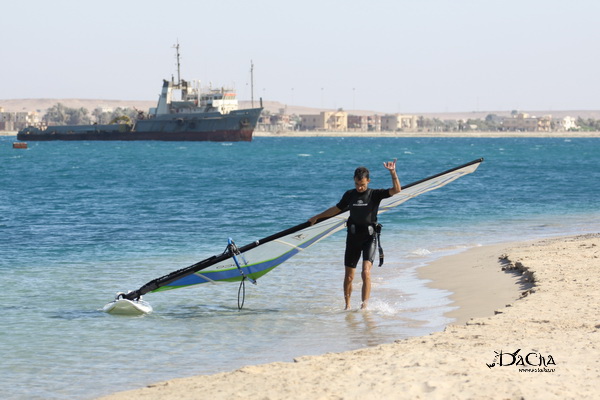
<point x="531" y="331"/>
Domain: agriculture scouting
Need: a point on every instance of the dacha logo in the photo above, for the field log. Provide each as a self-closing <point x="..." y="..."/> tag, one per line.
<point x="531" y="362"/>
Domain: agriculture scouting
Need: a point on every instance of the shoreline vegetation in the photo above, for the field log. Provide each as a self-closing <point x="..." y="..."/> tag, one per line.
<point x="463" y="134"/>
<point x="541" y="343"/>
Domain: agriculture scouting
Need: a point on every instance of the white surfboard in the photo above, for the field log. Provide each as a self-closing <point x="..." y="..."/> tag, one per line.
<point x="121" y="306"/>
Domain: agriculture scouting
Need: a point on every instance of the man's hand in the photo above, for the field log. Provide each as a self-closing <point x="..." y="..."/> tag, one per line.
<point x="330" y="212"/>
<point x="391" y="165"/>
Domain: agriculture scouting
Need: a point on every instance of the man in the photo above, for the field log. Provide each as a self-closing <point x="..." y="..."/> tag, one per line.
<point x="363" y="204"/>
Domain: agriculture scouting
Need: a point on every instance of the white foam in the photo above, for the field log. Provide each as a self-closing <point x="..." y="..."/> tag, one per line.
<point x="421" y="252"/>
<point x="382" y="307"/>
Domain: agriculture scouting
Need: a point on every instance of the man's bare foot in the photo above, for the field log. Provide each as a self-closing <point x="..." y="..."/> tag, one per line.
<point x="363" y="306"/>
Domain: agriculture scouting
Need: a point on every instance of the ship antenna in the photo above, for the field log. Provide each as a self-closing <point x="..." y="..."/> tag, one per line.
<point x="176" y="47"/>
<point x="252" y="83"/>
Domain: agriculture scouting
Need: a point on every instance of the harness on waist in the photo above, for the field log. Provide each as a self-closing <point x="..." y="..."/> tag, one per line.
<point x="372" y="229"/>
<point x="378" y="235"/>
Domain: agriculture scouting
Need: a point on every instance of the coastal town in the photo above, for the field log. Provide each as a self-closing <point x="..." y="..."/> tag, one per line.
<point x="278" y="120"/>
<point x="342" y="121"/>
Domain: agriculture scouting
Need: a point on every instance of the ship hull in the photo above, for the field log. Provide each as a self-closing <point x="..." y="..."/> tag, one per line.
<point x="185" y="136"/>
<point x="237" y="126"/>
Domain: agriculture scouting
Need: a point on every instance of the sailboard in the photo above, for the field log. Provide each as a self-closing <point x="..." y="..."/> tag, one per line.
<point x="255" y="259"/>
<point x="123" y="306"/>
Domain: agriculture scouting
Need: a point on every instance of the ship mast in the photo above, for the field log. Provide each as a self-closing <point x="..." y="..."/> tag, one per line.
<point x="176" y="47"/>
<point x="252" y="82"/>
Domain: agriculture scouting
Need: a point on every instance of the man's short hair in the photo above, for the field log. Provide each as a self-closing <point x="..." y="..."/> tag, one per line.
<point x="360" y="173"/>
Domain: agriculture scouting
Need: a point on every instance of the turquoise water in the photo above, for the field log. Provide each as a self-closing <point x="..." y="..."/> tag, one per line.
<point x="80" y="221"/>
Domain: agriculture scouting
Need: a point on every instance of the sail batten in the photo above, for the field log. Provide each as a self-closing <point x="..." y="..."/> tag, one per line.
<point x="261" y="256"/>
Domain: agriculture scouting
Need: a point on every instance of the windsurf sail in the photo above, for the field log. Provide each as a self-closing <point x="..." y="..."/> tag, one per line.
<point x="258" y="258"/>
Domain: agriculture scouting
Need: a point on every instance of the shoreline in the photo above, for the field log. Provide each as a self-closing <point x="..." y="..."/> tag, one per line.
<point x="470" y="134"/>
<point x="555" y="322"/>
<point x="473" y="275"/>
<point x="473" y="134"/>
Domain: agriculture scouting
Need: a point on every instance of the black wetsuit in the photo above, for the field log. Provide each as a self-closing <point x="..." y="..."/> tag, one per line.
<point x="361" y="238"/>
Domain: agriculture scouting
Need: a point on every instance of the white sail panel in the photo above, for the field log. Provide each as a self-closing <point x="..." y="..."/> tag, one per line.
<point x="262" y="258"/>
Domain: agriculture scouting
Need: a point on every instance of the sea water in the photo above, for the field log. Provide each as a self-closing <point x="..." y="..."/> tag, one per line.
<point x="80" y="221"/>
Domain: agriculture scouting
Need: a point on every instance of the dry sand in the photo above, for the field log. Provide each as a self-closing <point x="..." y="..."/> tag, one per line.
<point x="556" y="323"/>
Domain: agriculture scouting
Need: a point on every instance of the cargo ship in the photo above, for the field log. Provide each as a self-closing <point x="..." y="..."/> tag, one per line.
<point x="212" y="115"/>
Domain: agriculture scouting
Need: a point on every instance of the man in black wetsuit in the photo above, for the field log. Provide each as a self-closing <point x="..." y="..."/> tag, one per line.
<point x="363" y="204"/>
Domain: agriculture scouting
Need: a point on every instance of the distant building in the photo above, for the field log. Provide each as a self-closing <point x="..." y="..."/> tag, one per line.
<point x="358" y="123"/>
<point x="14" y="121"/>
<point x="398" y="122"/>
<point x="523" y="122"/>
<point x="565" y="124"/>
<point x="374" y="123"/>
<point x="276" y="123"/>
<point x="325" y="121"/>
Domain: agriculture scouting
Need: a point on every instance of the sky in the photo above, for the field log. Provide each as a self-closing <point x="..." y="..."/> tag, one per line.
<point x="393" y="56"/>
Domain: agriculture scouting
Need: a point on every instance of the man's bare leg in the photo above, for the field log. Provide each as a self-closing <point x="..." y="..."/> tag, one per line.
<point x="366" y="288"/>
<point x="348" y="278"/>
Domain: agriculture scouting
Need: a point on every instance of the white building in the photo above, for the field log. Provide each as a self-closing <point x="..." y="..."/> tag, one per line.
<point x="398" y="122"/>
